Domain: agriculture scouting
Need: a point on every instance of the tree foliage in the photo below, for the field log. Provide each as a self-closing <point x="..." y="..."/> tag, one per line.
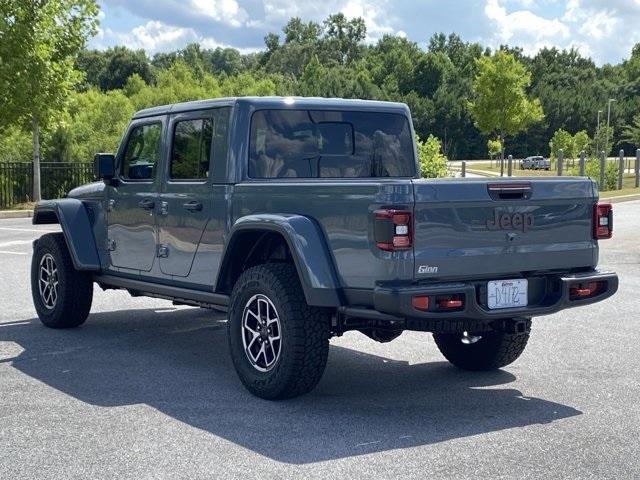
<point x="603" y="140"/>
<point x="631" y="132"/>
<point x="582" y="143"/>
<point x="494" y="147"/>
<point x="433" y="163"/>
<point x="500" y="103"/>
<point x="39" y="41"/>
<point x="330" y="58"/>
<point x="562" y="140"/>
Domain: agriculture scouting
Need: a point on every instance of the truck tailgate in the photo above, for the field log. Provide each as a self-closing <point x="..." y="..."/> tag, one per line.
<point x="497" y="228"/>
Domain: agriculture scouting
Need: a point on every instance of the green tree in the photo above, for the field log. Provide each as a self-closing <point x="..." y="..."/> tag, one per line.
<point x="343" y="37"/>
<point x="40" y="40"/>
<point x="164" y="60"/>
<point x="391" y="63"/>
<point x="313" y="78"/>
<point x="121" y="64"/>
<point x="603" y="139"/>
<point x="582" y="143"/>
<point x="430" y="72"/>
<point x="226" y="60"/>
<point x="631" y="132"/>
<point x="500" y="104"/>
<point x="562" y="140"/>
<point x="433" y="164"/>
<point x="494" y="147"/>
<point x="92" y="63"/>
<point x="15" y="144"/>
<point x="97" y="121"/>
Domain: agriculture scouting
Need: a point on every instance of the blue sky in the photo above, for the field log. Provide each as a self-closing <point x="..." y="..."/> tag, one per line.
<point x="604" y="30"/>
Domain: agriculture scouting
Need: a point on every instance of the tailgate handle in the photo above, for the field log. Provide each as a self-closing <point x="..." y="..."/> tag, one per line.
<point x="509" y="191"/>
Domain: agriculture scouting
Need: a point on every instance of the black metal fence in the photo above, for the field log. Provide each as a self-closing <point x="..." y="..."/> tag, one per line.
<point x="56" y="179"/>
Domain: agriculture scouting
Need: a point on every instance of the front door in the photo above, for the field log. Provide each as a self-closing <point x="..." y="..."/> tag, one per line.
<point x="185" y="201"/>
<point x="132" y="198"/>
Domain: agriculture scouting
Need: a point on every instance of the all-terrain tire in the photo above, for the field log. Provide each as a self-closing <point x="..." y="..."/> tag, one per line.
<point x="70" y="305"/>
<point x="304" y="331"/>
<point x="493" y="351"/>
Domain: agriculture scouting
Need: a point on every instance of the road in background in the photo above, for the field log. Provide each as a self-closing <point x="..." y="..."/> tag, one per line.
<point x="147" y="390"/>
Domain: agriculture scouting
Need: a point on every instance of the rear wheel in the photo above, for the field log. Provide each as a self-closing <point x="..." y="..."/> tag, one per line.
<point x="279" y="344"/>
<point x="61" y="294"/>
<point x="486" y="351"/>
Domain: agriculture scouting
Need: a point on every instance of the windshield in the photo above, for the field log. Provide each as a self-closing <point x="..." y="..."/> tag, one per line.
<point x="329" y="144"/>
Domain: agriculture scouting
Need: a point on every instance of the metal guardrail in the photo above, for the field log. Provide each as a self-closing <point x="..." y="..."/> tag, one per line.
<point x="57" y="178"/>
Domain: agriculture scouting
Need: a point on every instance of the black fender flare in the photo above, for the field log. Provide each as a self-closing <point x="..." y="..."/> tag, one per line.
<point x="306" y="242"/>
<point x="74" y="220"/>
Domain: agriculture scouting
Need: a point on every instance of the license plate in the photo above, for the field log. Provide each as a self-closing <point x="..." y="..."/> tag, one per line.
<point x="507" y="294"/>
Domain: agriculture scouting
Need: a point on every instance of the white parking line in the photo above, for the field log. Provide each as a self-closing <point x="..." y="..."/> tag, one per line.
<point x="13" y="253"/>
<point x="14" y="242"/>
<point x="16" y="229"/>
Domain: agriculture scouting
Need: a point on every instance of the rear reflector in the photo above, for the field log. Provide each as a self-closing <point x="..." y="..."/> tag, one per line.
<point x="392" y="229"/>
<point x="420" y="303"/>
<point x="602" y="221"/>
<point x="585" y="290"/>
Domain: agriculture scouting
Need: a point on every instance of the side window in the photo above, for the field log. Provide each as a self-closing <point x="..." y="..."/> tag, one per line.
<point x="142" y="152"/>
<point x="220" y="139"/>
<point x="191" y="149"/>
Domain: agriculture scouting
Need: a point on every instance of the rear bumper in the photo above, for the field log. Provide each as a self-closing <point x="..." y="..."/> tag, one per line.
<point x="551" y="296"/>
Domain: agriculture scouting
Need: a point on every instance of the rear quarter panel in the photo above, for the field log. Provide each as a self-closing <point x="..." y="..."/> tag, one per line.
<point x="344" y="213"/>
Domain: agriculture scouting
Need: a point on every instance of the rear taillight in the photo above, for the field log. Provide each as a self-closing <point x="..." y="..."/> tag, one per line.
<point x="393" y="229"/>
<point x="602" y="221"/>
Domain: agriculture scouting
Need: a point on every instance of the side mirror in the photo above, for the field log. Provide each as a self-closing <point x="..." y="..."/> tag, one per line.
<point x="104" y="165"/>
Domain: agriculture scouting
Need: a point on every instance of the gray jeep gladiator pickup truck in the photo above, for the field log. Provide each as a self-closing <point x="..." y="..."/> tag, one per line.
<point x="305" y="218"/>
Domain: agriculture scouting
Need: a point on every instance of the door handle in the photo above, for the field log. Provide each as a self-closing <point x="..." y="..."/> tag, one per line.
<point x="147" y="204"/>
<point x="192" y="206"/>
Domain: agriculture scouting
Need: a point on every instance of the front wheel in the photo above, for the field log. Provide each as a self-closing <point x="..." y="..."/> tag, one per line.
<point x="279" y="344"/>
<point x="61" y="294"/>
<point x="485" y="351"/>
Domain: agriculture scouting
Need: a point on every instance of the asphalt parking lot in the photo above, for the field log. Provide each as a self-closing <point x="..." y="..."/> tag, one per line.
<point x="147" y="390"/>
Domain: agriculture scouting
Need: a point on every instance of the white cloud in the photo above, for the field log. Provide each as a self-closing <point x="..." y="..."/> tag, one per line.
<point x="598" y="26"/>
<point x="603" y="29"/>
<point x="155" y="36"/>
<point x="225" y="11"/>
<point x="524" y="28"/>
<point x="376" y="13"/>
<point x="374" y="16"/>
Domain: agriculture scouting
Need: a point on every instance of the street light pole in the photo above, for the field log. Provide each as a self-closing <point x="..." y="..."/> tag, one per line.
<point x="597" y="135"/>
<point x="606" y="141"/>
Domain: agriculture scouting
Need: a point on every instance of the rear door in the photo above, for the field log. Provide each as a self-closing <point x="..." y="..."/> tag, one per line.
<point x="190" y="206"/>
<point x="185" y="200"/>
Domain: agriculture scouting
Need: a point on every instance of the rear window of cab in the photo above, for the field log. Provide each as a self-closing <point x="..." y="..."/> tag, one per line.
<point x="330" y="144"/>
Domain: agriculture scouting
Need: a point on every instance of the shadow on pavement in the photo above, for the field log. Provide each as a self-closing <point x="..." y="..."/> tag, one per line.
<point x="177" y="362"/>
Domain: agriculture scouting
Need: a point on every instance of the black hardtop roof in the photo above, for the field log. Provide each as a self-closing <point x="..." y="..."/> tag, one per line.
<point x="277" y="102"/>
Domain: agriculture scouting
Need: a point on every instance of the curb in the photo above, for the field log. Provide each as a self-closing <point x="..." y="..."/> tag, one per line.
<point x="482" y="173"/>
<point x="622" y="198"/>
<point x="16" y="214"/>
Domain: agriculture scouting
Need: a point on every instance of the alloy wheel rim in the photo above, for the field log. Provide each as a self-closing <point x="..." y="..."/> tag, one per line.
<point x="261" y="333"/>
<point x="48" y="281"/>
